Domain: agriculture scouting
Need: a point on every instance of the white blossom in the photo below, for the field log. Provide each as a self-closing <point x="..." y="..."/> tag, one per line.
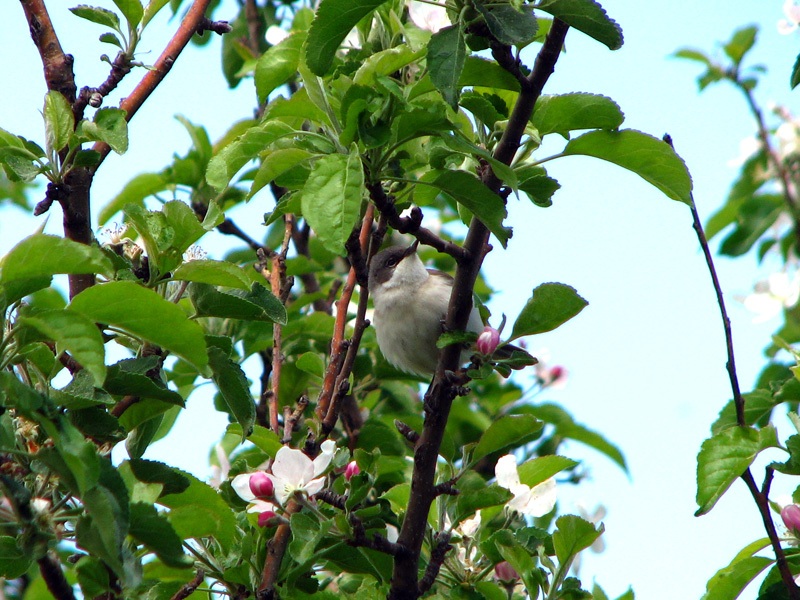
<point x="770" y="297"/>
<point x="427" y="16"/>
<point x="534" y="501"/>
<point x="792" y="20"/>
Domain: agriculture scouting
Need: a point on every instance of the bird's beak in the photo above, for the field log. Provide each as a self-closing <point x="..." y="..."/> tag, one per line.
<point x="411" y="249"/>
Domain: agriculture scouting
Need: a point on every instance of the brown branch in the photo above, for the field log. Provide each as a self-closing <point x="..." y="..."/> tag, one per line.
<point x="276" y="548"/>
<point x="441" y="548"/>
<point x="57" y="65"/>
<point x="57" y="584"/>
<point x="132" y="103"/>
<point x="761" y="497"/>
<point x="94" y="96"/>
<point x="442" y="390"/>
<point x="187" y="589"/>
<point x="411" y="224"/>
<point x="292" y="417"/>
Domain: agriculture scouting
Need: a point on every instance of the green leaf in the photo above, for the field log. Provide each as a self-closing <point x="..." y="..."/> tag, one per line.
<point x="59" y="122"/>
<point x="550" y="305"/>
<point x="153" y="7"/>
<point x="740" y="43"/>
<point x="586" y="16"/>
<point x="307" y="533"/>
<point x="275" y="164"/>
<point x="652" y="159"/>
<point x="537" y="470"/>
<point x="572" y="535"/>
<point x="567" y="427"/>
<point x="472" y="500"/>
<point x="13" y="561"/>
<point x="539" y="187"/>
<point x="518" y="557"/>
<point x="133" y="11"/>
<point x="41" y="256"/>
<point x="262" y="438"/>
<point x="730" y="581"/>
<point x="794" y="80"/>
<point x="233" y="388"/>
<point x="332" y="198"/>
<point x="470" y="191"/>
<point x="447" y="51"/>
<point x="109" y="126"/>
<point x="477" y="72"/>
<point x="167" y="233"/>
<point x="198" y="511"/>
<point x="143" y="313"/>
<point x="96" y="14"/>
<point x="134" y="192"/>
<point x="333" y="20"/>
<point x="213" y="272"/>
<point x="155" y="532"/>
<point x="278" y="64"/>
<point x="129" y="377"/>
<point x="758" y="406"/>
<point x="93" y="577"/>
<point x="77" y="335"/>
<point x="259" y="304"/>
<point x="384" y="63"/>
<point x="15" y="394"/>
<point x="246" y="147"/>
<point x="568" y="112"/>
<point x="509" y="25"/>
<point x="504" y="432"/>
<point x="724" y="457"/>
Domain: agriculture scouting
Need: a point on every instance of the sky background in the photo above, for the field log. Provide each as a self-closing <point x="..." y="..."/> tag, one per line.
<point x="646" y="359"/>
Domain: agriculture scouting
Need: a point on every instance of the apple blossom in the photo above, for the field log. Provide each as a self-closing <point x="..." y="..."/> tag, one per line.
<point x="534" y="501"/>
<point x="488" y="340"/>
<point x="294" y="472"/>
<point x="428" y="16"/>
<point x="351" y="470"/>
<point x="505" y="572"/>
<point x="790" y="23"/>
<point x="791" y="517"/>
<point x="261" y="485"/>
<point x="265" y="517"/>
<point x="772" y="296"/>
<point x="241" y="485"/>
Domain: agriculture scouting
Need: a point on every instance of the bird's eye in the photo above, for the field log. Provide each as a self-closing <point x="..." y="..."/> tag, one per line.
<point x="392" y="262"/>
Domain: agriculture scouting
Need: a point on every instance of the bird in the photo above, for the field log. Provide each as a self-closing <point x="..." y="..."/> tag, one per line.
<point x="410" y="304"/>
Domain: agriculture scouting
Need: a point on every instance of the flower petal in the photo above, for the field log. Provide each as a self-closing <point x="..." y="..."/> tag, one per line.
<point x="291" y="466"/>
<point x="259" y="506"/>
<point x="241" y="485"/>
<point x="327" y="450"/>
<point x="506" y="471"/>
<point x="542" y="498"/>
<point x="314" y="486"/>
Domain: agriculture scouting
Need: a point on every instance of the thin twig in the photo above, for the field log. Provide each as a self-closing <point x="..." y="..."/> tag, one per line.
<point x="276" y="548"/>
<point x="156" y="74"/>
<point x="761" y="497"/>
<point x="187" y="589"/>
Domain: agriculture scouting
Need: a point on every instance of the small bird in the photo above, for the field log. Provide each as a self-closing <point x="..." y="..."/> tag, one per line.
<point x="410" y="307"/>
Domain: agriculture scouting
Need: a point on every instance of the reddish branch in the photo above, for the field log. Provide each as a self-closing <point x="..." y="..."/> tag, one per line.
<point x="277" y="279"/>
<point x="276" y="548"/>
<point x="439" y="397"/>
<point x="340" y="348"/>
<point x="132" y="103"/>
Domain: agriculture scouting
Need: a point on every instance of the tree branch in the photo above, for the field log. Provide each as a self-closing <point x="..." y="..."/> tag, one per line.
<point x="132" y="103"/>
<point x="761" y="497"/>
<point x="57" y="65"/>
<point x="442" y="390"/>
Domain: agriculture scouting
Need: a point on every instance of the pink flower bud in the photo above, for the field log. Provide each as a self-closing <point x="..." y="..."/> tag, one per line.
<point x="350" y="470"/>
<point x="505" y="572"/>
<point x="791" y="517"/>
<point x="265" y="517"/>
<point x="488" y="340"/>
<point x="261" y="485"/>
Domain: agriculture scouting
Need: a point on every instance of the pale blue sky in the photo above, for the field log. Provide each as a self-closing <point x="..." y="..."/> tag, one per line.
<point x="646" y="358"/>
